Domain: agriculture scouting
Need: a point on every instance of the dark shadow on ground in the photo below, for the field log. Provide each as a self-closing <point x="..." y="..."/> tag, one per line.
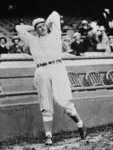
<point x="58" y="137"/>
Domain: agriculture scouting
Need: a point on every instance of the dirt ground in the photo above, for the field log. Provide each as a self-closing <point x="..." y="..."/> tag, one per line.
<point x="98" y="138"/>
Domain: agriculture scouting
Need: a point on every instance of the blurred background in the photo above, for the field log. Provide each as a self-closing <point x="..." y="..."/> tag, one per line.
<point x="89" y="8"/>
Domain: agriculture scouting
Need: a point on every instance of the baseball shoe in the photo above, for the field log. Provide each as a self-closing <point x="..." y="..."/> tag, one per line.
<point x="82" y="133"/>
<point x="48" y="141"/>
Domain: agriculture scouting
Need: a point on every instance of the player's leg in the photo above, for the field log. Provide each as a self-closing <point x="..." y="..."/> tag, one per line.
<point x="63" y="95"/>
<point x="48" y="122"/>
<point x="73" y="114"/>
<point x="45" y="96"/>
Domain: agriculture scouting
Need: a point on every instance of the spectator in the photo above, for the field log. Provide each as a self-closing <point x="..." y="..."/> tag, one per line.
<point x="83" y="27"/>
<point x="66" y="43"/>
<point x="94" y="26"/>
<point x="90" y="42"/>
<point x="16" y="47"/>
<point x="3" y="46"/>
<point x="103" y="41"/>
<point x="65" y="46"/>
<point x="27" y="49"/>
<point x="77" y="44"/>
<point x="105" y="19"/>
<point x="111" y="42"/>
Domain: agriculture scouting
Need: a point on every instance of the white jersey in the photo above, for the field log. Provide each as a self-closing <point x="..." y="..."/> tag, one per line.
<point x="44" y="48"/>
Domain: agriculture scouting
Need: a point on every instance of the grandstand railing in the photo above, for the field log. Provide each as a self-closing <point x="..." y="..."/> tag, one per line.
<point x="94" y="79"/>
<point x="109" y="76"/>
<point x="74" y="79"/>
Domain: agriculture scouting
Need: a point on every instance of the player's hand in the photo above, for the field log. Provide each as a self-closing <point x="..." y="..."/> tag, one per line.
<point x="50" y="26"/>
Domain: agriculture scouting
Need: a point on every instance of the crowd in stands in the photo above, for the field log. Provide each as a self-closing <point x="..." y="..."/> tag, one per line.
<point x="15" y="46"/>
<point x="78" y="37"/>
<point x="91" y="36"/>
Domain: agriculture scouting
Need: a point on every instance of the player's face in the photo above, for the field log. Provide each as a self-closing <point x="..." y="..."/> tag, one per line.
<point x="41" y="29"/>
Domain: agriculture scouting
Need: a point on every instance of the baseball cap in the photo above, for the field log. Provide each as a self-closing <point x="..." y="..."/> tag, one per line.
<point x="37" y="21"/>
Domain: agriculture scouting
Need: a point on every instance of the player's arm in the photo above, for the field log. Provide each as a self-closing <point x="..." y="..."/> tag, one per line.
<point x="24" y="32"/>
<point x="54" y="20"/>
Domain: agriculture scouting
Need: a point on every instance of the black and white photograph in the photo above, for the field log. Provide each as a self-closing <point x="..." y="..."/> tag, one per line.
<point x="56" y="75"/>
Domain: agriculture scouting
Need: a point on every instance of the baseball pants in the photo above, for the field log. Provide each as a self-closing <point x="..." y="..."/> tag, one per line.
<point x="52" y="84"/>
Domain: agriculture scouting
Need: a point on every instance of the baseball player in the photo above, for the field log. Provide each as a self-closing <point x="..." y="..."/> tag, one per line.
<point x="51" y="79"/>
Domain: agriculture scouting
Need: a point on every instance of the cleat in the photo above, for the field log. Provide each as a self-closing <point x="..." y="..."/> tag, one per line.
<point x="48" y="141"/>
<point x="82" y="133"/>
